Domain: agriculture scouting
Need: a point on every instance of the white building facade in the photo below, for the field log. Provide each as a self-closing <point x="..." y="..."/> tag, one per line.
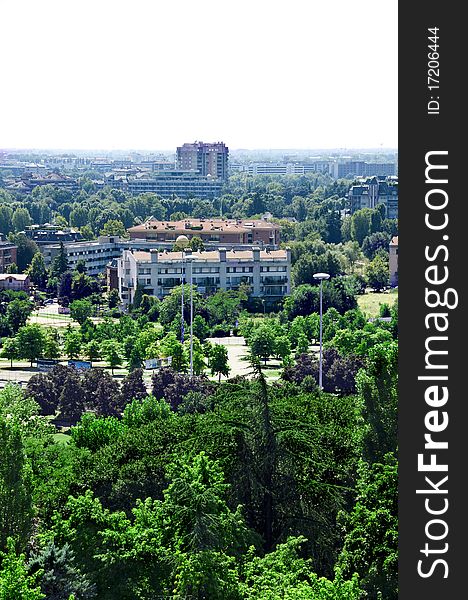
<point x="267" y="273"/>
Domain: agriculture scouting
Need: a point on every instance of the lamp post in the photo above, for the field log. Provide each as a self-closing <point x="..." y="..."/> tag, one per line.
<point x="191" y="316"/>
<point x="182" y="241"/>
<point x="321" y="277"/>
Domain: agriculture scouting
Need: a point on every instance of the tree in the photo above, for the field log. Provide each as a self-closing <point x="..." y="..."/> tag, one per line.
<point x="73" y="343"/>
<point x="262" y="342"/>
<point x="93" y="350"/>
<point x="64" y="290"/>
<point x="21" y="219"/>
<point x="27" y="248"/>
<point x="113" y="299"/>
<point x="219" y="361"/>
<point x="377" y="273"/>
<point x="60" y="263"/>
<point x="112" y="351"/>
<point x="10" y="350"/>
<point x="31" y="342"/>
<point x="371" y="530"/>
<point x="16" y="506"/>
<point x="52" y="344"/>
<point x="114" y="227"/>
<point x="360" y="225"/>
<point x="71" y="403"/>
<point x="80" y="310"/>
<point x="15" y="582"/>
<point x="6" y="215"/>
<point x="12" y="268"/>
<point x="375" y="242"/>
<point x="61" y="578"/>
<point x="42" y="389"/>
<point x="17" y="313"/>
<point x="37" y="271"/>
<point x="133" y="387"/>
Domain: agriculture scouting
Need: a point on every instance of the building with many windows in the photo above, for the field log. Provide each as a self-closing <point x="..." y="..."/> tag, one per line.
<point x="166" y="183"/>
<point x="360" y="168"/>
<point x="212" y="232"/>
<point x="205" y="159"/>
<point x="267" y="273"/>
<point x="7" y="255"/>
<point x="370" y="192"/>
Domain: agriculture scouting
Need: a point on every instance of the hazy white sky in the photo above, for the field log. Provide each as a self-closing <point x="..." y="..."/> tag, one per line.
<point x="152" y="74"/>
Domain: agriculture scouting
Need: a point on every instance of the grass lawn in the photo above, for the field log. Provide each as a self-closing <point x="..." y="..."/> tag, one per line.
<point x="370" y="302"/>
<point x="61" y="438"/>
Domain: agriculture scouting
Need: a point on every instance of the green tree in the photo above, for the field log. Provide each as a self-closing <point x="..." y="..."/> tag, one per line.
<point x="52" y="344"/>
<point x="21" y="219"/>
<point x="15" y="581"/>
<point x="72" y="343"/>
<point x="262" y="342"/>
<point x="377" y="273"/>
<point x="37" y="271"/>
<point x="112" y="351"/>
<point x="113" y="299"/>
<point x="26" y="250"/>
<point x="219" y="361"/>
<point x="10" y="350"/>
<point x="17" y="313"/>
<point x="6" y="215"/>
<point x="12" y="268"/>
<point x="16" y="506"/>
<point x="360" y="225"/>
<point x="93" y="350"/>
<point x="60" y="263"/>
<point x="31" y="342"/>
<point x="371" y="530"/>
<point x="114" y="227"/>
<point x="80" y="310"/>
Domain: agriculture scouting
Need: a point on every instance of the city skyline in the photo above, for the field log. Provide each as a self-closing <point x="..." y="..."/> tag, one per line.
<point x="96" y="76"/>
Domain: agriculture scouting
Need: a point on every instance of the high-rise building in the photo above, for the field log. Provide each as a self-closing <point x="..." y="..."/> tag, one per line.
<point x="206" y="159"/>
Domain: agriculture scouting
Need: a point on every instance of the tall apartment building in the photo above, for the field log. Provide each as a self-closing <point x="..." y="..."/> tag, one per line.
<point x="373" y="191"/>
<point x="7" y="255"/>
<point x="268" y="273"/>
<point x="212" y="232"/>
<point x="206" y="159"/>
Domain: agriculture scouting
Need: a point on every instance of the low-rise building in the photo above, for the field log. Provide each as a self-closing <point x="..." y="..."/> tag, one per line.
<point x="212" y="232"/>
<point x="393" y="261"/>
<point x="18" y="282"/>
<point x="266" y="272"/>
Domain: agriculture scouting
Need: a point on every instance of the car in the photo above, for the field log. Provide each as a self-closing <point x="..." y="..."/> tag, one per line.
<point x="49" y="302"/>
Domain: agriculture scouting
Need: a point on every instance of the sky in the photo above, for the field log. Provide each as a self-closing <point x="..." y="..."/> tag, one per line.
<point x="153" y="74"/>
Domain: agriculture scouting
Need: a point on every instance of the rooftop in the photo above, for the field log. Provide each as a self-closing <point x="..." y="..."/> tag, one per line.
<point x="204" y="225"/>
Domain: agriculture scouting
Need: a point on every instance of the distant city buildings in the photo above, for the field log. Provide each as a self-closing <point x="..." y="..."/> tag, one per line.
<point x="393" y="261"/>
<point x="214" y="232"/>
<point x="266" y="272"/>
<point x="205" y="159"/>
<point x="370" y="192"/>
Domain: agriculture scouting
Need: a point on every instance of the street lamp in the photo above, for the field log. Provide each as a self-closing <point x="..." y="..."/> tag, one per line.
<point x="321" y="277"/>
<point x="182" y="241"/>
<point x="189" y="259"/>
